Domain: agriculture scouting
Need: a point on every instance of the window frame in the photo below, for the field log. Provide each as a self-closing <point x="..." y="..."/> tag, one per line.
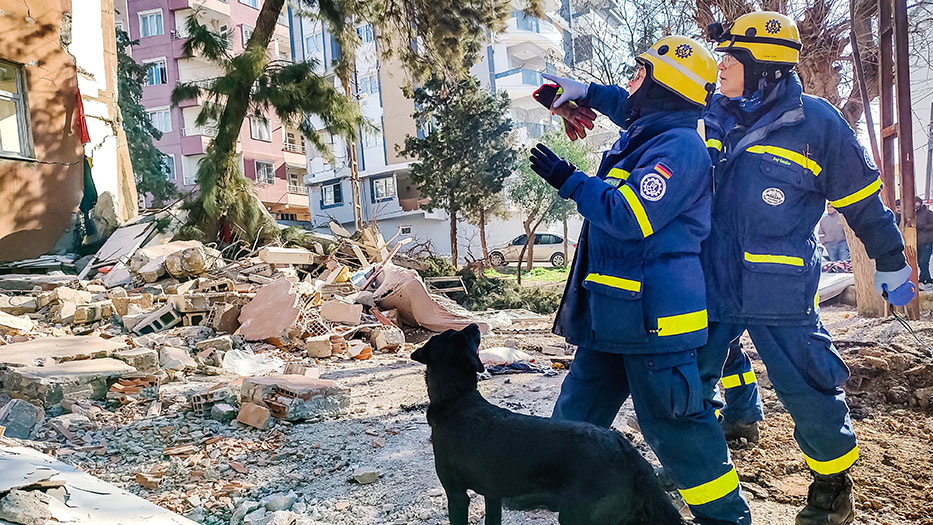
<point x="256" y="164"/>
<point x="404" y="227"/>
<point x="253" y="127"/>
<point x="336" y="195"/>
<point x="20" y="102"/>
<point x="377" y="180"/>
<point x="150" y="62"/>
<point x="147" y="13"/>
<point x="249" y="3"/>
<point x="245" y="38"/>
<point x="163" y="109"/>
<point x="173" y="175"/>
<point x="184" y="176"/>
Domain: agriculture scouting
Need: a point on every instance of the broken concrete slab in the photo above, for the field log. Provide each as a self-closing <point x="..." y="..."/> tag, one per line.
<point x="93" y="312"/>
<point x="149" y="262"/>
<point x="59" y="349"/>
<point x="50" y="384"/>
<point x="192" y="261"/>
<point x="21" y="419"/>
<point x="26" y="282"/>
<point x="26" y="507"/>
<point x="122" y="303"/>
<point x="387" y="339"/>
<point x="277" y="255"/>
<point x="270" y="313"/>
<point x="319" y="346"/>
<point x="223" y="343"/>
<point x="65" y="294"/>
<point x="172" y="358"/>
<point x="18" y="304"/>
<point x="254" y="415"/>
<point x="90" y="500"/>
<point x="15" y="324"/>
<point x="343" y="313"/>
<point x="296" y="397"/>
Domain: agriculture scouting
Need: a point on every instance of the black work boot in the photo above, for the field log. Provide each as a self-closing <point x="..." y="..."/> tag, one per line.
<point x="829" y="501"/>
<point x="736" y="431"/>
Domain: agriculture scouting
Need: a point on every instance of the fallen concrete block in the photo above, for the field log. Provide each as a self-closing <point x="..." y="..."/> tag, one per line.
<point x="142" y="359"/>
<point x="341" y="312"/>
<point x="270" y="313"/>
<point x="223" y="412"/>
<point x="387" y="339"/>
<point x="122" y="303"/>
<point x="172" y="358"/>
<point x="149" y="262"/>
<point x="192" y="261"/>
<point x="161" y="319"/>
<point x="15" y="324"/>
<point x="223" y="343"/>
<point x="64" y="294"/>
<point x="27" y="507"/>
<point x="93" y="312"/>
<point x="277" y="255"/>
<point x="27" y="282"/>
<point x="63" y="313"/>
<point x="318" y="346"/>
<point x="51" y="383"/>
<point x="224" y="318"/>
<point x="59" y="349"/>
<point x="131" y="321"/>
<point x="21" y="419"/>
<point x="192" y="302"/>
<point x="254" y="415"/>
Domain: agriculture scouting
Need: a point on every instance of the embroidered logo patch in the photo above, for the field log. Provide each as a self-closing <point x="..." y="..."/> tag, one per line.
<point x="868" y="160"/>
<point x="773" y="196"/>
<point x="663" y="170"/>
<point x="653" y="187"/>
<point x="772" y="26"/>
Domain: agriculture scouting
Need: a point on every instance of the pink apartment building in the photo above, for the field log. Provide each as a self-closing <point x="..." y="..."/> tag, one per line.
<point x="270" y="154"/>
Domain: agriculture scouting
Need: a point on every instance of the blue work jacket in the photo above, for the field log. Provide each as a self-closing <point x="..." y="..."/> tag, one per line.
<point x="636" y="284"/>
<point x="771" y="183"/>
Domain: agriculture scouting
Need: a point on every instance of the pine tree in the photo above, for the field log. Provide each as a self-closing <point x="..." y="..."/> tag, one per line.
<point x="468" y="152"/>
<point x="149" y="164"/>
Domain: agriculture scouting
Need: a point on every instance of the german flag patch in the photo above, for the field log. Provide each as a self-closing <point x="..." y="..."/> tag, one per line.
<point x="663" y="170"/>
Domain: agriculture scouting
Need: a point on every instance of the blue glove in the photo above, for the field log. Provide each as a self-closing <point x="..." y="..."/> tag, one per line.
<point x="550" y="167"/>
<point x="896" y="286"/>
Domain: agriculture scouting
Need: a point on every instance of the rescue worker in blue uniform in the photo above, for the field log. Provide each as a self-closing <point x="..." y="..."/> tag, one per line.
<point x="783" y="155"/>
<point x="635" y="301"/>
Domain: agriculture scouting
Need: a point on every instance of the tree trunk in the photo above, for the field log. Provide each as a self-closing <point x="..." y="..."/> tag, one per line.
<point x="869" y="303"/>
<point x="566" y="244"/>
<point x="482" y="234"/>
<point x="530" y="245"/>
<point x="454" y="256"/>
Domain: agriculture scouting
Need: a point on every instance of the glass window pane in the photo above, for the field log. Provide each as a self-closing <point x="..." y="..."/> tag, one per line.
<point x="9" y="127"/>
<point x="8" y="78"/>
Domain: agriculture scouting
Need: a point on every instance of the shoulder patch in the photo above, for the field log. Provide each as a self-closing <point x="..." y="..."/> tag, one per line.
<point x="663" y="170"/>
<point x="652" y="187"/>
<point x="868" y="160"/>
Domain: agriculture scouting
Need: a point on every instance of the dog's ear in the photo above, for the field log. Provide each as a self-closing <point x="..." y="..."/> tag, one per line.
<point x="472" y="335"/>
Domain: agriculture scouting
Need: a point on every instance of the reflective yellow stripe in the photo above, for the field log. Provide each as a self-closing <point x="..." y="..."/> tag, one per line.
<point x="712" y="490"/>
<point x="863" y="193"/>
<point x="682" y="324"/>
<point x="617" y="173"/>
<point x="787" y="154"/>
<point x="833" y="466"/>
<point x="816" y="300"/>
<point x="716" y="413"/>
<point x="637" y="209"/>
<point x="615" y="282"/>
<point x="773" y="259"/>
<point x="713" y="143"/>
<point x="735" y="380"/>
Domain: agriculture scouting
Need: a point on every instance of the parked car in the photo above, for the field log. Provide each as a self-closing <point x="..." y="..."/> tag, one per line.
<point x="549" y="247"/>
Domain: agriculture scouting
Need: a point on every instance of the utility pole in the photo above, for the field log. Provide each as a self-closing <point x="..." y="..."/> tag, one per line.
<point x="929" y="179"/>
<point x="354" y="167"/>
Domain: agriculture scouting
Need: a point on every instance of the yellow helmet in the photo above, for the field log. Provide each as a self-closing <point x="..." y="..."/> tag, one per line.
<point x="682" y="65"/>
<point x="769" y="37"/>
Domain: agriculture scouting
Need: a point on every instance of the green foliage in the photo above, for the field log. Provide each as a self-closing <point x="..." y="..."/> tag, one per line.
<point x="499" y="294"/>
<point x="149" y="164"/>
<point x="536" y="274"/>
<point x="437" y="267"/>
<point x="251" y="85"/>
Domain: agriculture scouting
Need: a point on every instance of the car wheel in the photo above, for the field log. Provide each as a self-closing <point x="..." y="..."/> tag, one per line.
<point x="496" y="259"/>
<point x="557" y="260"/>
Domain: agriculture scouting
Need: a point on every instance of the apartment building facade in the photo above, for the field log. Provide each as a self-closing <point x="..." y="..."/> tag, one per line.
<point x="270" y="153"/>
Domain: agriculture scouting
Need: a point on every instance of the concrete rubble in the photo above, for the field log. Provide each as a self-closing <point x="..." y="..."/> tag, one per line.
<point x="144" y="342"/>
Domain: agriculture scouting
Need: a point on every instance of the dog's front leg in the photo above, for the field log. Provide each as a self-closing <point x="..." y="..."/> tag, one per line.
<point x="458" y="507"/>
<point x="493" y="511"/>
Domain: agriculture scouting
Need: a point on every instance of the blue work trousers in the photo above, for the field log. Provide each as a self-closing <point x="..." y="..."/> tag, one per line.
<point x="676" y="421"/>
<point x="807" y="374"/>
<point x="740" y="387"/>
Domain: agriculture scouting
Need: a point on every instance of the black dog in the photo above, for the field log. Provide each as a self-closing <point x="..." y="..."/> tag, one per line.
<point x="591" y="475"/>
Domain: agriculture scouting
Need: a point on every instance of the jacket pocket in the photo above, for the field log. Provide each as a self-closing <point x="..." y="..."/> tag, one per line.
<point x="775" y="276"/>
<point x="615" y="302"/>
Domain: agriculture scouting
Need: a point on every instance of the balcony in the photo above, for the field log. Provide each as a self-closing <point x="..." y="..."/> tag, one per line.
<point x="220" y="7"/>
<point x="299" y="189"/>
<point x="528" y="37"/>
<point x="519" y="83"/>
<point x="294" y="148"/>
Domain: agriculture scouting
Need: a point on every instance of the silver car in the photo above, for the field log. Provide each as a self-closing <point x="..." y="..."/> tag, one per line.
<point x="549" y="247"/>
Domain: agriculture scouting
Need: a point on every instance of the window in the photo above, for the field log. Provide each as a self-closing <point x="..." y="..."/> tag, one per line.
<point x="150" y="23"/>
<point x="157" y="73"/>
<point x="295" y="184"/>
<point x="383" y="189"/>
<point x="331" y="195"/>
<point x="314" y="43"/>
<point x="190" y="176"/>
<point x="288" y="216"/>
<point x="14" y="130"/>
<point x="161" y="119"/>
<point x="366" y="33"/>
<point x="336" y="51"/>
<point x="368" y="84"/>
<point x="259" y="129"/>
<point x="520" y="240"/>
<point x="251" y="3"/>
<point x="247" y="32"/>
<point x="169" y="161"/>
<point x="372" y="137"/>
<point x="265" y="172"/>
<point x="405" y="230"/>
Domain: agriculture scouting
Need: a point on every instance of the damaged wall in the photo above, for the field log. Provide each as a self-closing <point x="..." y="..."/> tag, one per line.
<point x="40" y="190"/>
